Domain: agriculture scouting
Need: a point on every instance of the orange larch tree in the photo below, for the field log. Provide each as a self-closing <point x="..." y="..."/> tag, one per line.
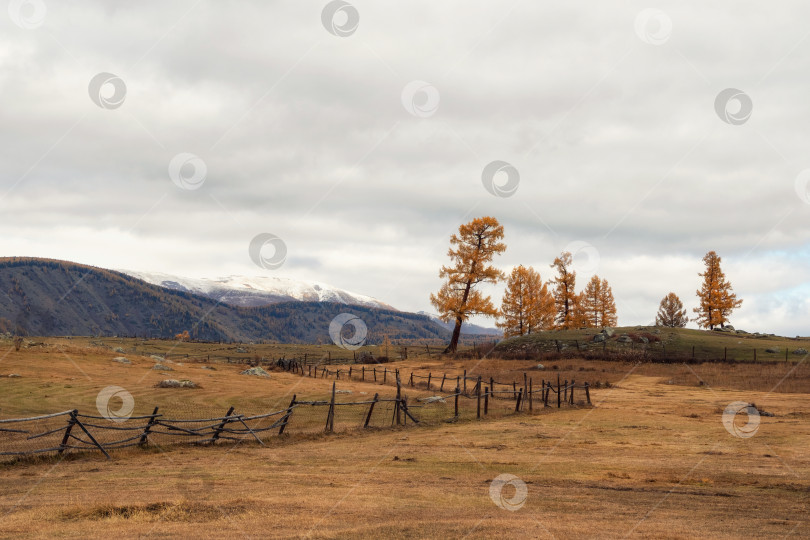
<point x="527" y="304"/>
<point x="564" y="285"/>
<point x="607" y="306"/>
<point x="599" y="307"/>
<point x="475" y="245"/>
<point x="716" y="299"/>
<point x="671" y="312"/>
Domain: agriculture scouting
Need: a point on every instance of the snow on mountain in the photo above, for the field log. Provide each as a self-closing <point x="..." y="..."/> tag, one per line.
<point x="466" y="328"/>
<point x="258" y="291"/>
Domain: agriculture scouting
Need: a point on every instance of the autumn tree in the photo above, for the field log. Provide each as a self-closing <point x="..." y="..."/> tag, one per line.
<point x="671" y="312"/>
<point x="598" y="304"/>
<point x="475" y="245"/>
<point x="579" y="315"/>
<point x="564" y="285"/>
<point x="527" y="304"/>
<point x="716" y="299"/>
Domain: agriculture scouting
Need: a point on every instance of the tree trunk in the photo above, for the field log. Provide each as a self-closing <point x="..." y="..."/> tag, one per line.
<point x="451" y="348"/>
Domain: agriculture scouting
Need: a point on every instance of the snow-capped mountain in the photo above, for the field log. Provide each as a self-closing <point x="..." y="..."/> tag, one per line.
<point x="258" y="291"/>
<point x="466" y="328"/>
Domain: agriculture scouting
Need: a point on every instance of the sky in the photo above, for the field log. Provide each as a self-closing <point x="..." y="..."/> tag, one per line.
<point x="346" y="142"/>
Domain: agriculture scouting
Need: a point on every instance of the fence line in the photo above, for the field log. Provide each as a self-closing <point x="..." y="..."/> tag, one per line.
<point x="74" y="431"/>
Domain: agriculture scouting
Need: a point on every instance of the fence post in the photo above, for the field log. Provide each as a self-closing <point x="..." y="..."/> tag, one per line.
<point x="478" y="398"/>
<point x="546" y="387"/>
<point x="287" y="416"/>
<point x="399" y="397"/>
<point x="375" y="374"/>
<point x="429" y="375"/>
<point x="385" y="374"/>
<point x="565" y="390"/>
<point x="71" y="423"/>
<point x="588" y="393"/>
<point x="573" y="384"/>
<point x="517" y="401"/>
<point x="350" y="372"/>
<point x="221" y="425"/>
<point x="457" y="392"/>
<point x="558" y="392"/>
<point x="371" y="410"/>
<point x="411" y="381"/>
<point x="330" y="416"/>
<point x="363" y="371"/>
<point x="148" y="428"/>
<point x="443" y="378"/>
<point x="486" y="401"/>
<point x="531" y="399"/>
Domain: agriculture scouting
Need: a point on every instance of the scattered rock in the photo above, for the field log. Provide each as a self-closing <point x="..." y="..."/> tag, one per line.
<point x="121" y="360"/>
<point x="174" y="383"/>
<point x="208" y="367"/>
<point x="643" y="339"/>
<point x="157" y="358"/>
<point x="161" y="367"/>
<point x="624" y="338"/>
<point x="241" y="350"/>
<point x="257" y="371"/>
<point x="118" y="350"/>
<point x="800" y="351"/>
<point x="730" y="328"/>
<point x="431" y="399"/>
<point x="13" y="376"/>
<point x="609" y="332"/>
<point x="741" y="332"/>
<point x="772" y="350"/>
<point x="343" y="391"/>
<point x="598" y="338"/>
<point x="540" y="367"/>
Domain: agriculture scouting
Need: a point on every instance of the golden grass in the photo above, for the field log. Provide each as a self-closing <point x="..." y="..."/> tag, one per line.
<point x="651" y="459"/>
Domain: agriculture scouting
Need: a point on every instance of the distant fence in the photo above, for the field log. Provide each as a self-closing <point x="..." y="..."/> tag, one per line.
<point x="71" y="430"/>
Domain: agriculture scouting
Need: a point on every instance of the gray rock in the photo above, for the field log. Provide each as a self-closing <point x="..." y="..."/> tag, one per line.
<point x="161" y="367"/>
<point x="257" y="371"/>
<point x="13" y="376"/>
<point x="241" y="350"/>
<point x="343" y="391"/>
<point x="118" y="350"/>
<point x="800" y="351"/>
<point x="431" y="399"/>
<point x="540" y="367"/>
<point x="730" y="328"/>
<point x="174" y="383"/>
<point x="772" y="350"/>
<point x="609" y="332"/>
<point x="599" y="338"/>
<point x="644" y="339"/>
<point x="625" y="339"/>
<point x="157" y="358"/>
<point x="121" y="360"/>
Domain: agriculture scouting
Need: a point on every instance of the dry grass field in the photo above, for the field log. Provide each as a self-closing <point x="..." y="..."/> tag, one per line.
<point x="650" y="459"/>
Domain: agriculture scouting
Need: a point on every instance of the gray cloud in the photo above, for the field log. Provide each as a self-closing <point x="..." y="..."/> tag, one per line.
<point x="304" y="135"/>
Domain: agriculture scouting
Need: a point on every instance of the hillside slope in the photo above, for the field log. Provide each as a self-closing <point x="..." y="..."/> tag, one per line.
<point x="51" y="297"/>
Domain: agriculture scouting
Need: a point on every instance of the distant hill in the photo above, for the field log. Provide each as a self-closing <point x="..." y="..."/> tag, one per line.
<point x="467" y="328"/>
<point x="51" y="297"/>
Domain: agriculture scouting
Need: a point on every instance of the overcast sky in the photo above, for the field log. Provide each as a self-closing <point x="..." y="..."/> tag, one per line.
<point x="358" y="135"/>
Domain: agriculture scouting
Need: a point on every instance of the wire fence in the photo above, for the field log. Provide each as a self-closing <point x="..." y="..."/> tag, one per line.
<point x="465" y="398"/>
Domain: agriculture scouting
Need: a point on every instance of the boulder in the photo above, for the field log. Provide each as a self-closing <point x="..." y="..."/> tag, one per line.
<point x="599" y="338"/>
<point x="241" y="350"/>
<point x="256" y="371"/>
<point x="161" y="367"/>
<point x="625" y="339"/>
<point x="773" y="350"/>
<point x="174" y="383"/>
<point x="643" y="339"/>
<point x="121" y="360"/>
<point x="118" y="350"/>
<point x="609" y="332"/>
<point x="540" y="367"/>
<point x="729" y="328"/>
<point x="157" y="358"/>
<point x="800" y="351"/>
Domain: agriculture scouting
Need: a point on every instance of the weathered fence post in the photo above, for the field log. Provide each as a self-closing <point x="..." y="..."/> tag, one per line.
<point x="397" y="407"/>
<point x="71" y="423"/>
<point x="588" y="393"/>
<point x="531" y="399"/>
<point x="565" y="390"/>
<point x="363" y="373"/>
<point x="221" y="426"/>
<point x="558" y="392"/>
<point x="330" y="416"/>
<point x="428" y="383"/>
<point x="478" y="398"/>
<point x="148" y="428"/>
<point x="443" y="378"/>
<point x="286" y="417"/>
<point x="457" y="392"/>
<point x="547" y="386"/>
<point x="573" y="385"/>
<point x="375" y="374"/>
<point x="371" y="410"/>
<point x="517" y="401"/>
<point x="411" y="381"/>
<point x="486" y="401"/>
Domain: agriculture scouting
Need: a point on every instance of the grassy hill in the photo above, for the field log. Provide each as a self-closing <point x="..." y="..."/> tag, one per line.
<point x="661" y="344"/>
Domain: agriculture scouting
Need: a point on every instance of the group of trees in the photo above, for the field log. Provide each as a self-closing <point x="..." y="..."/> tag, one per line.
<point x="529" y="305"/>
<point x="717" y="300"/>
